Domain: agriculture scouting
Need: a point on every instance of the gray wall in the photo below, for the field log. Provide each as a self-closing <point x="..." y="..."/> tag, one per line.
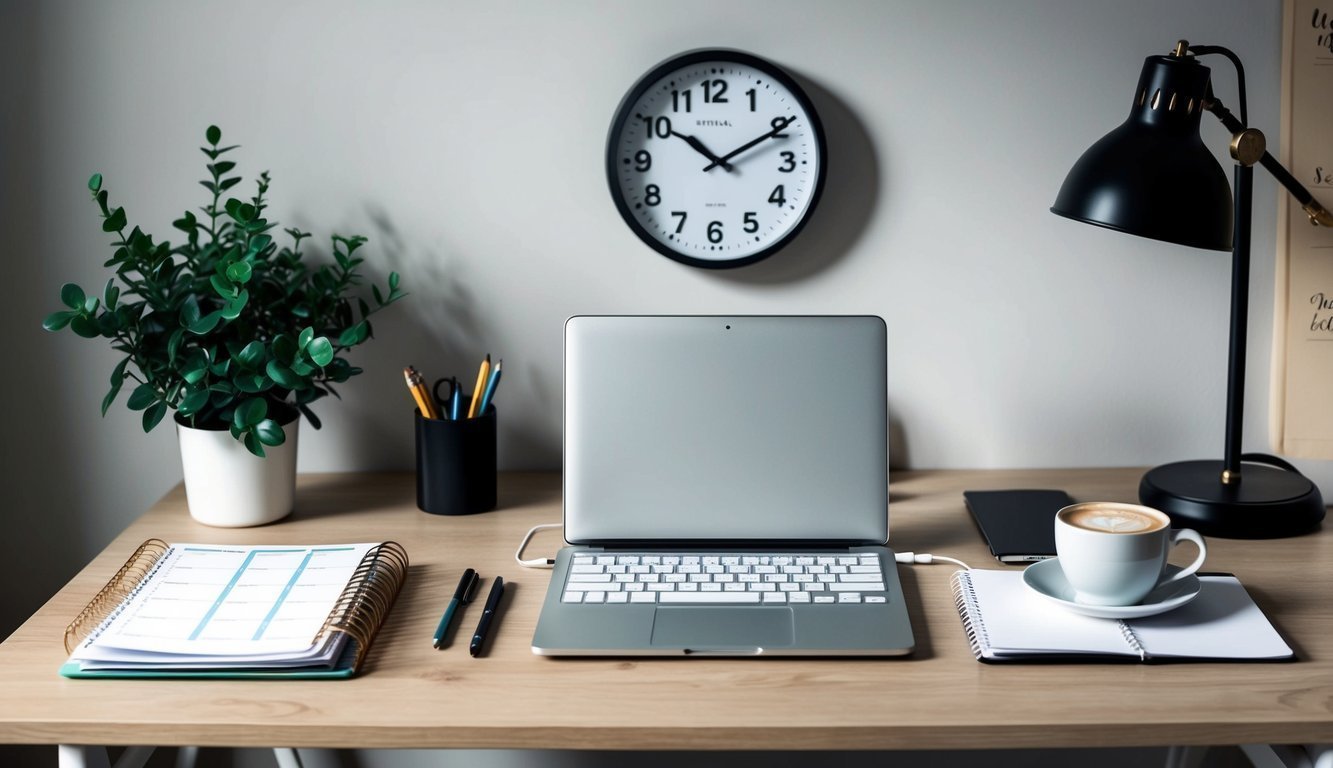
<point x="466" y="140"/>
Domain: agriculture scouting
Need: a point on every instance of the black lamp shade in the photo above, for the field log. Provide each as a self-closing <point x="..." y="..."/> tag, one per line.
<point x="1152" y="176"/>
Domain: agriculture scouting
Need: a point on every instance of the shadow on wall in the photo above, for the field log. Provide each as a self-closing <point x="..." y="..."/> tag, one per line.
<point x="851" y="192"/>
<point x="440" y="326"/>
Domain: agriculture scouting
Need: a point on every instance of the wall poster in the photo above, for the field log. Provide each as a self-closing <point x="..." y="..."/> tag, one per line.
<point x="1302" y="414"/>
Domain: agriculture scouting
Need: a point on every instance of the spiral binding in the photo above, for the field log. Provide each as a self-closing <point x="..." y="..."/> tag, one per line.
<point x="364" y="604"/>
<point x="965" y="598"/>
<point x="1127" y="632"/>
<point x="112" y="598"/>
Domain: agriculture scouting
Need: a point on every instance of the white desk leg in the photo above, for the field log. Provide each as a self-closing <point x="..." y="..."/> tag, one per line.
<point x="82" y="756"/>
<point x="287" y="757"/>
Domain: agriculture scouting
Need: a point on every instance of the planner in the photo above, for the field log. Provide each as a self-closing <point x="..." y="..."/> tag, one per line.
<point x="266" y="611"/>
<point x="1004" y="621"/>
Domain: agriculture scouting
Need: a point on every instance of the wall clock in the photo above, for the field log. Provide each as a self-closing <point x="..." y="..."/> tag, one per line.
<point x="716" y="158"/>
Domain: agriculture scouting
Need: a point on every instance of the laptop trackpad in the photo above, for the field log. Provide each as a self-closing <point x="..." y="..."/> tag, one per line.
<point x="707" y="628"/>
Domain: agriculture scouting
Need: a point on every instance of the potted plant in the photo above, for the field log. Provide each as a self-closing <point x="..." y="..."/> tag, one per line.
<point x="235" y="333"/>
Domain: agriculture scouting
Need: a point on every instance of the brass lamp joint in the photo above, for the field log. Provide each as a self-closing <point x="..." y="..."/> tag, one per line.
<point x="1229" y="477"/>
<point x="1182" y="49"/>
<point x="1248" y="146"/>
<point x="1318" y="214"/>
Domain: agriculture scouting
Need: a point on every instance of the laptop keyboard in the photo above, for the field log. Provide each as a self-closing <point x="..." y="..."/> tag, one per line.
<point x="754" y="579"/>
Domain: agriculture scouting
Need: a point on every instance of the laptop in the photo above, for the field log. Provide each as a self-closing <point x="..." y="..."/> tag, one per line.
<point x="725" y="490"/>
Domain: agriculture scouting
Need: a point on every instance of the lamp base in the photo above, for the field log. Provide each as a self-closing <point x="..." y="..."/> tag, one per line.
<point x="1270" y="501"/>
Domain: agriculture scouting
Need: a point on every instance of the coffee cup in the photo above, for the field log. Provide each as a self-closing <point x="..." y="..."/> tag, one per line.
<point x="1115" y="554"/>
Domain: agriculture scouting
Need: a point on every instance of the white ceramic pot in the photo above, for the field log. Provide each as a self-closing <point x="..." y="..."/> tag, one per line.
<point x="229" y="487"/>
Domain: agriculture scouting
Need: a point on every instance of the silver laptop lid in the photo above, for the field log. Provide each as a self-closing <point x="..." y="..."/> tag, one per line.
<point x="725" y="429"/>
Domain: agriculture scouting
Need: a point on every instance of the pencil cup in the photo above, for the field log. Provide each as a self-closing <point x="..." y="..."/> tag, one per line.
<point x="456" y="463"/>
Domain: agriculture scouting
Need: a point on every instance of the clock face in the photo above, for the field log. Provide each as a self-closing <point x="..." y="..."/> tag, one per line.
<point x="715" y="158"/>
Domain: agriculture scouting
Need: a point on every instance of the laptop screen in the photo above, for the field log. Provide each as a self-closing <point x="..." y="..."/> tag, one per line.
<point x="725" y="429"/>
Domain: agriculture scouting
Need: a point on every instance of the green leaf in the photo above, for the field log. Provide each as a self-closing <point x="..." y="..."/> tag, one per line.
<point x="304" y="339"/>
<point x="233" y="207"/>
<point x="95" y="182"/>
<point x="206" y="323"/>
<point x="217" y="169"/>
<point x="310" y="416"/>
<point x="233" y="308"/>
<point x="195" y="367"/>
<point x="194" y="402"/>
<point x="143" y="396"/>
<point x="284" y="349"/>
<point x="153" y="415"/>
<point x="282" y="375"/>
<point x="111" y="294"/>
<point x="115" y="222"/>
<point x="251" y="356"/>
<point x="250" y="412"/>
<point x="174" y="344"/>
<point x="213" y="135"/>
<point x="90" y="306"/>
<point x="118" y="373"/>
<point x="85" y="326"/>
<point x="186" y="223"/>
<point x="72" y="296"/>
<point x="190" y="312"/>
<point x="320" y="351"/>
<point x="110" y="398"/>
<point x="354" y="335"/>
<point x="253" y="444"/>
<point x="229" y="183"/>
<point x="224" y="287"/>
<point x="240" y="272"/>
<point x="270" y="433"/>
<point x="57" y="320"/>
<point x="393" y="282"/>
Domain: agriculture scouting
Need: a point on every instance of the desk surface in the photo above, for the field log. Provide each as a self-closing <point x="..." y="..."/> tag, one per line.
<point x="411" y="695"/>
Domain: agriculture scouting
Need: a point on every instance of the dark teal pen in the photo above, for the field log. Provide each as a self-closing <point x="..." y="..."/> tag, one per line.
<point x="467" y="587"/>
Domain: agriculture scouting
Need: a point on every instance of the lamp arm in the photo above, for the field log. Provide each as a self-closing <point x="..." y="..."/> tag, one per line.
<point x="1248" y="145"/>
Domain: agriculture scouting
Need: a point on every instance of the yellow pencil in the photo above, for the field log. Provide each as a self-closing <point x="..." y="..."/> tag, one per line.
<point x="482" y="375"/>
<point x="418" y="387"/>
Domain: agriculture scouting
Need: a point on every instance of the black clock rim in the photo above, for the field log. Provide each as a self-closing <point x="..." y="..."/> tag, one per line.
<point x="685" y="59"/>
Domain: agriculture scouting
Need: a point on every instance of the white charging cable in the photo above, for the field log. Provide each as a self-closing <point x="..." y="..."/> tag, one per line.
<point x="912" y="558"/>
<point x="541" y="562"/>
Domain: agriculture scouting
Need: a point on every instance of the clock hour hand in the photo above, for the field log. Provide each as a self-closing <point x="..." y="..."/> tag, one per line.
<point x="778" y="126"/>
<point x="703" y="150"/>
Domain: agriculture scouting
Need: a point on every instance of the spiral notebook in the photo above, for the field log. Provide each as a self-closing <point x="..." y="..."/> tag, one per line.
<point x="1005" y="621"/>
<point x="268" y="611"/>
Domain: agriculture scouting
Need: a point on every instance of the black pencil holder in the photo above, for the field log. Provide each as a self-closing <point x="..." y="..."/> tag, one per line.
<point x="456" y="463"/>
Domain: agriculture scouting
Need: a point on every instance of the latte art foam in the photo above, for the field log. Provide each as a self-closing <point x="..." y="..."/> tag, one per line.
<point x="1113" y="520"/>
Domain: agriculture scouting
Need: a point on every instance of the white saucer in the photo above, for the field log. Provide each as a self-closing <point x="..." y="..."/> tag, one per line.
<point x="1047" y="579"/>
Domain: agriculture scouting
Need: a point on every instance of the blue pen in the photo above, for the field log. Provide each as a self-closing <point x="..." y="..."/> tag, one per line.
<point x="454" y="401"/>
<point x="467" y="587"/>
<point x="491" y="384"/>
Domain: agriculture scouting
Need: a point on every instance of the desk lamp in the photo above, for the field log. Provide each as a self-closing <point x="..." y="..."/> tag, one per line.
<point x="1153" y="177"/>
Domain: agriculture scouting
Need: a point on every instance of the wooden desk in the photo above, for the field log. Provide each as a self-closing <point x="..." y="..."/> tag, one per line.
<point x="413" y="696"/>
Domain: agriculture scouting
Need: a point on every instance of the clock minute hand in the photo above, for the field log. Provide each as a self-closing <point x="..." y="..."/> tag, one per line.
<point x="777" y="128"/>
<point x="703" y="150"/>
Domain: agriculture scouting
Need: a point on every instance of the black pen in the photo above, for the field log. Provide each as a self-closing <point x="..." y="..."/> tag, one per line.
<point x="467" y="587"/>
<point x="492" y="605"/>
